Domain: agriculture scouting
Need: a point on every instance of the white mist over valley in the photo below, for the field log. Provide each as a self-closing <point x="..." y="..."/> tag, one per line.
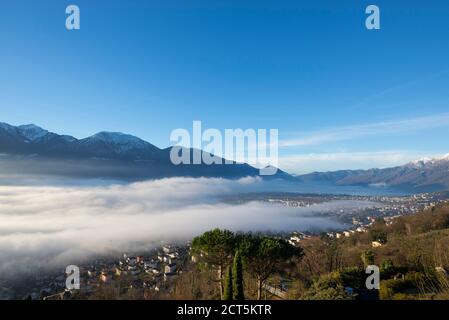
<point x="55" y="225"/>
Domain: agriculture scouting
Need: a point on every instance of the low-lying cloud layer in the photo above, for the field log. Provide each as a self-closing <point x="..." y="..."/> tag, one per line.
<point x="57" y="225"/>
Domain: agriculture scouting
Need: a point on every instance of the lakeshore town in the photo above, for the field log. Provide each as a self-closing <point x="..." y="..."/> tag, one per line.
<point x="152" y="272"/>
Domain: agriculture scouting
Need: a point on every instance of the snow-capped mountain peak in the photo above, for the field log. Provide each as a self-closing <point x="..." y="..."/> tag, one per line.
<point x="116" y="138"/>
<point x="32" y="132"/>
<point x="120" y="142"/>
<point x="422" y="160"/>
<point x="426" y="161"/>
<point x="106" y="145"/>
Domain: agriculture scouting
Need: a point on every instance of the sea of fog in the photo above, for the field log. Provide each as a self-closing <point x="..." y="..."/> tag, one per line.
<point x="54" y="222"/>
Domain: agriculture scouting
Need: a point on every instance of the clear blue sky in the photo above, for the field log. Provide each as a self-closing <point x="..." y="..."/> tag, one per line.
<point x="357" y="98"/>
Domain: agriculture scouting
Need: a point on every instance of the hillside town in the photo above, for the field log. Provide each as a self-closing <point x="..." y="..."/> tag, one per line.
<point x="358" y="220"/>
<point x="151" y="271"/>
<point x="387" y="207"/>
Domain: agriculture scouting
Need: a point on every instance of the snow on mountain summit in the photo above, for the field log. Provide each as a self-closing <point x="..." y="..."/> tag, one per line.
<point x="120" y="142"/>
<point x="32" y="132"/>
<point x="426" y="161"/>
<point x="422" y="160"/>
<point x="116" y="138"/>
<point x="105" y="144"/>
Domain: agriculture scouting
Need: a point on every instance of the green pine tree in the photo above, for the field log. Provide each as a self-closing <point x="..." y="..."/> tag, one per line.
<point x="228" y="285"/>
<point x="237" y="272"/>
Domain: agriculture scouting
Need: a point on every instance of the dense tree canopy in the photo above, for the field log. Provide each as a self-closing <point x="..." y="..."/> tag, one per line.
<point x="215" y="248"/>
<point x="263" y="255"/>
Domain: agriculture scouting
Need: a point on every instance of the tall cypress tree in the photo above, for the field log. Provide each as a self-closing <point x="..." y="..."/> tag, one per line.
<point x="237" y="272"/>
<point x="228" y="285"/>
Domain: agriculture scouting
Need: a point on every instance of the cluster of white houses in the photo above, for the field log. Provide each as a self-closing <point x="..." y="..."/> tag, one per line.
<point x="151" y="271"/>
<point x="164" y="264"/>
<point x="296" y="238"/>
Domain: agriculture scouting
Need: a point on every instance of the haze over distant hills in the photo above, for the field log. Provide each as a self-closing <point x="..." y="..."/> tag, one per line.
<point x="29" y="149"/>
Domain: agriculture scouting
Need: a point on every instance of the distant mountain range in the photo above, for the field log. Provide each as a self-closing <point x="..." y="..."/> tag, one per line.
<point x="29" y="149"/>
<point x="418" y="176"/>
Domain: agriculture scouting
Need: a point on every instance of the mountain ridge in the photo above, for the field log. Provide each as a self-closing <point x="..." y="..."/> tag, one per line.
<point x="431" y="174"/>
<point x="128" y="154"/>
